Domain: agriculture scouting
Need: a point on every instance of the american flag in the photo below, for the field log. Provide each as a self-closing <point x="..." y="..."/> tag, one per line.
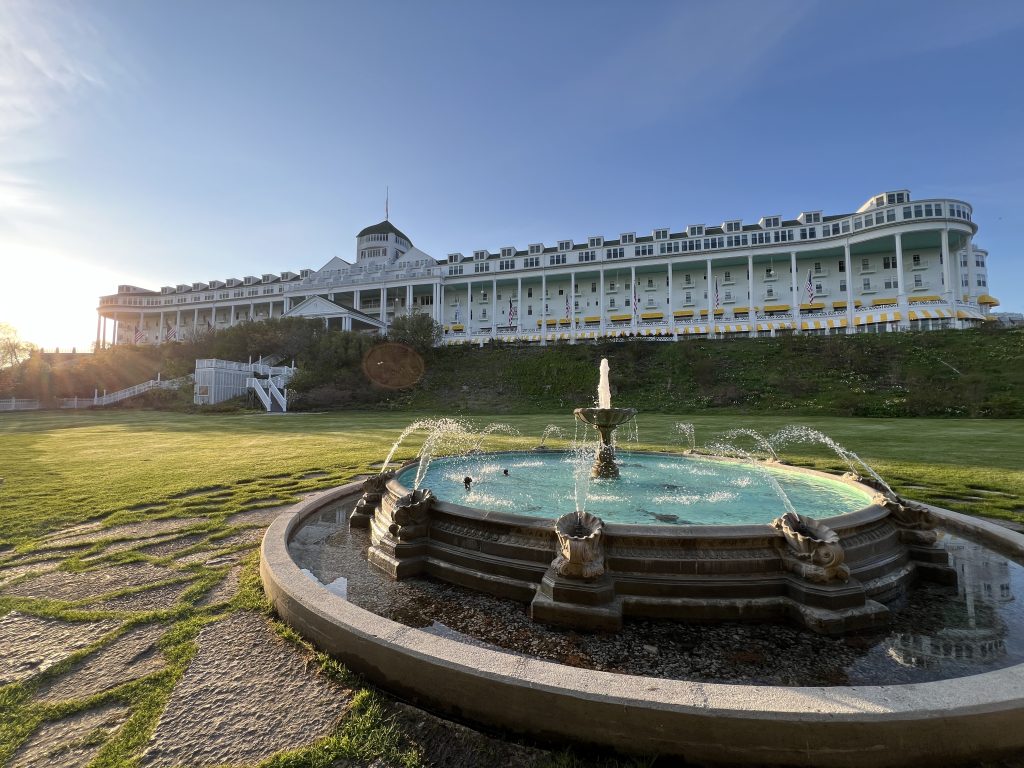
<point x="511" y="314"/>
<point x="568" y="311"/>
<point x="810" y="287"/>
<point x="458" y="310"/>
<point x="139" y="334"/>
<point x="716" y="293"/>
<point x="171" y="334"/>
<point x="636" y="301"/>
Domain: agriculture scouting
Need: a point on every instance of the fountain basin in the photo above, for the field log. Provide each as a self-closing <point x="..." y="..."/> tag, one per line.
<point x="700" y="573"/>
<point x="970" y="718"/>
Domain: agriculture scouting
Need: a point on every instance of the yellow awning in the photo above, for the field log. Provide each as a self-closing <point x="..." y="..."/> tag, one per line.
<point x="813" y="305"/>
<point x="652" y="315"/>
<point x="882" y="302"/>
<point x="591" y="319"/>
<point x="740" y="310"/>
<point x="776" y="307"/>
<point x="991" y="301"/>
<point x="919" y="299"/>
<point x="683" y="313"/>
<point x="616" y="318"/>
<point x="704" y="312"/>
<point x="458" y="327"/>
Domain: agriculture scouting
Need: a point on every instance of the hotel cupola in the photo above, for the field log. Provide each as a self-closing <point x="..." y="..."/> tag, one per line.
<point x="382" y="242"/>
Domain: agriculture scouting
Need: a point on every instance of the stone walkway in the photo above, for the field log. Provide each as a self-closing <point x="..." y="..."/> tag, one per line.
<point x="84" y="628"/>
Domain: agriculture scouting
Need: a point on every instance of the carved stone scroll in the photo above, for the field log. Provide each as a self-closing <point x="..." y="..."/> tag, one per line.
<point x="580" y="548"/>
<point x="811" y="549"/>
<point x="373" y="488"/>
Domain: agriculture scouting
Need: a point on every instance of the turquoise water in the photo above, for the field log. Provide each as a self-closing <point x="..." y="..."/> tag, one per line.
<point x="652" y="489"/>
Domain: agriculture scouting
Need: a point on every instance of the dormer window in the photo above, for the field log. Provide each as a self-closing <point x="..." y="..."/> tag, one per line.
<point x="661" y="234"/>
<point x="508" y="253"/>
<point x="770" y="222"/>
<point x="454" y="258"/>
<point x="536" y="248"/>
<point x="732" y="226"/>
<point x="695" y="230"/>
<point x="595" y="242"/>
<point x="565" y="245"/>
<point x="810" y="217"/>
<point x="627" y="238"/>
<point x="480" y="255"/>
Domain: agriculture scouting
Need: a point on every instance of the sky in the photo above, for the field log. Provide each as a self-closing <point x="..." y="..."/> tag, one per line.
<point x="156" y="143"/>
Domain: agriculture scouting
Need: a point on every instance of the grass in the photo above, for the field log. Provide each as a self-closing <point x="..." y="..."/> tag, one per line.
<point x="63" y="469"/>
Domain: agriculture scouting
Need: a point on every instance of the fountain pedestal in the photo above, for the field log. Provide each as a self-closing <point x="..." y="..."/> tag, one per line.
<point x="575" y="591"/>
<point x="399" y="533"/>
<point x="605" y="421"/>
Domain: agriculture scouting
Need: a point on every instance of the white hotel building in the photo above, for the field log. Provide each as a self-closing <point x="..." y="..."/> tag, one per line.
<point x="894" y="264"/>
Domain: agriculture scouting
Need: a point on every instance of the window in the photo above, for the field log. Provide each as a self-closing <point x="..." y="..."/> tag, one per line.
<point x="688" y="279"/>
<point x="595" y="242"/>
<point x="481" y="266"/>
<point x="733" y="226"/>
<point x="508" y="253"/>
<point x="480" y="255"/>
<point x="982" y="282"/>
<point x="890" y="283"/>
<point x="916" y="260"/>
<point x="660" y="234"/>
<point x="818" y="288"/>
<point x="611" y="302"/>
<point x="627" y="238"/>
<point x="771" y="222"/>
<point x="529" y="293"/>
<point x="536" y="248"/>
<point x="918" y="281"/>
<point x="561" y="291"/>
<point x="650" y="282"/>
<point x="688" y="298"/>
<point x="506" y="264"/>
<point x="586" y="256"/>
<point x="867" y="284"/>
<point x="769" y="273"/>
<point x="565" y="245"/>
<point x="888" y="262"/>
<point x="593" y="287"/>
<point x="727" y="277"/>
<point x="529" y="309"/>
<point x="531" y="261"/>
<point x="646" y="249"/>
<point x="695" y="230"/>
<point x="556" y="258"/>
<point x="842" y="285"/>
<point x="865" y="265"/>
<point x="615" y="253"/>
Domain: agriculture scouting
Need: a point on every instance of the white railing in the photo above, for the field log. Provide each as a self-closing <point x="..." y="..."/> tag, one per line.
<point x="123" y="394"/>
<point x="18" y="404"/>
<point x="278" y="395"/>
<point x="256" y="385"/>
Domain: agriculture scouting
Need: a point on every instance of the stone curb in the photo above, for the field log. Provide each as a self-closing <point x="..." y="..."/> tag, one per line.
<point x="976" y="717"/>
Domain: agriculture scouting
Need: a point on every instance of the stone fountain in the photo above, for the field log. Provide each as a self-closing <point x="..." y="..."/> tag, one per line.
<point x="605" y="419"/>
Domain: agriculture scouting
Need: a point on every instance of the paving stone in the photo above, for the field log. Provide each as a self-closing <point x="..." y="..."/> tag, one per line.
<point x="9" y="573"/>
<point x="66" y="585"/>
<point x="141" y="530"/>
<point x="127" y="658"/>
<point x="246" y="695"/>
<point x="29" y="644"/>
<point x="247" y="536"/>
<point x="260" y="517"/>
<point x="173" y="545"/>
<point x="155" y="599"/>
<point x="444" y="743"/>
<point x="214" y="558"/>
<point x="70" y="742"/>
<point x="224" y="591"/>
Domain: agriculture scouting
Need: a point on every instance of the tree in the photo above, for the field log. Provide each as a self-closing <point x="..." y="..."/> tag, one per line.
<point x="13" y="350"/>
<point x="418" y="330"/>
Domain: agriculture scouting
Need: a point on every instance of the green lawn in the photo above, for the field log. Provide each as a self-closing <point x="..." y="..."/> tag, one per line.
<point x="59" y="469"/>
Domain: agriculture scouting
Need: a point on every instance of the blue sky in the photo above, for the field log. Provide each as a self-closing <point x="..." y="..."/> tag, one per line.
<point x="164" y="142"/>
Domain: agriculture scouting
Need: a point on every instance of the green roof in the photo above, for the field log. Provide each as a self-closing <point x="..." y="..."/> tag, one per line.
<point x="384" y="228"/>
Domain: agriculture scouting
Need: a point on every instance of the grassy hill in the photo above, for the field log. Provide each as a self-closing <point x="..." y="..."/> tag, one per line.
<point x="977" y="374"/>
<point x="947" y="373"/>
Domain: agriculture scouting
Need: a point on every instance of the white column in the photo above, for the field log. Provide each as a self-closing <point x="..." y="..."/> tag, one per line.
<point x="231" y="320"/>
<point x="103" y="339"/>
<point x="600" y="303"/>
<point x="901" y="295"/>
<point x="751" y="314"/>
<point x="947" y="267"/>
<point x="177" y="325"/>
<point x="572" y="307"/>
<point x="441" y="308"/>
<point x="711" y="303"/>
<point x="543" y="309"/>
<point x="195" y="321"/>
<point x="671" y="315"/>
<point x="634" y="296"/>
<point x="849" y="288"/>
<point x="972" y="271"/>
<point x="494" y="308"/>
<point x="160" y="330"/>
<point x="408" y="299"/>
<point x="795" y="288"/>
<point x="383" y="305"/>
<point x="99" y="319"/>
<point x="519" y="306"/>
<point x="252" y="311"/>
<point x="142" y="324"/>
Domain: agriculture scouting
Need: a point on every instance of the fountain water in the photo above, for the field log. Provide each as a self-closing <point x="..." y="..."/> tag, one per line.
<point x="796" y="434"/>
<point x="549" y="431"/>
<point x="760" y="440"/>
<point x="605" y="419"/>
<point x="685" y="429"/>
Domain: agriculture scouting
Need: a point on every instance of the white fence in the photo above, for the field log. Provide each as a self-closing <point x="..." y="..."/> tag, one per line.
<point x="18" y="404"/>
<point x="124" y="394"/>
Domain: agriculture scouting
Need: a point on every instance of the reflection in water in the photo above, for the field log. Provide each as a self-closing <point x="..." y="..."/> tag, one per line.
<point x="974" y="629"/>
<point x="936" y="633"/>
